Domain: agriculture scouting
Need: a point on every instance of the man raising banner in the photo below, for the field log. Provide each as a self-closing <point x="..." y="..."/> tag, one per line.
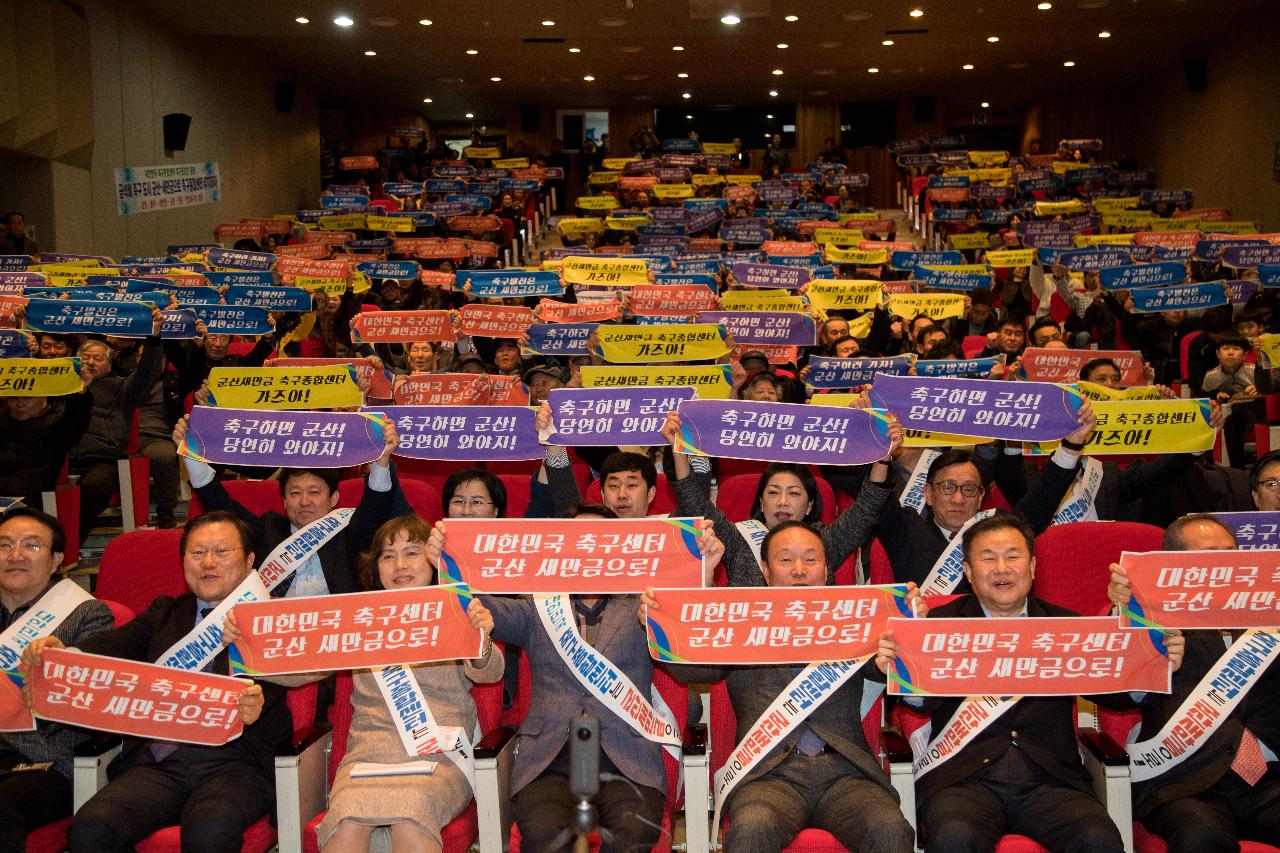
<point x="1225" y="785"/>
<point x="214" y="793"/>
<point x="820" y="772"/>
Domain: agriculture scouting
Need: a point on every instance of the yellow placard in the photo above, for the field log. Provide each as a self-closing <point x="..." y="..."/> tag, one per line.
<point x="1115" y="205"/>
<point x="360" y="282"/>
<point x="987" y="159"/>
<point x="707" y="180"/>
<point x="995" y="177"/>
<point x="936" y="306"/>
<point x="710" y="381"/>
<point x="1128" y="218"/>
<point x="1268" y="349"/>
<point x="327" y="387"/>
<point x="1011" y="258"/>
<point x="63" y="275"/>
<point x="760" y="300"/>
<point x="581" y="225"/>
<point x="39" y="377"/>
<point x="972" y="240"/>
<point x="672" y="191"/>
<point x="512" y="163"/>
<point x="661" y="343"/>
<point x="597" y="179"/>
<point x="1083" y="240"/>
<point x="396" y="224"/>
<point x="78" y="263"/>
<point x="1144" y="426"/>
<point x="478" y="152"/>
<point x="608" y="271"/>
<point x="1093" y="391"/>
<point x="1176" y="225"/>
<point x="1061" y="167"/>
<point x="625" y="223"/>
<point x="837" y="236"/>
<point x="838" y="399"/>
<point x="1059" y="208"/>
<point x="869" y="258"/>
<point x="844" y="294"/>
<point x="617" y="164"/>
<point x="322" y="284"/>
<point x="742" y="180"/>
<point x="341" y="222"/>
<point x="860" y="327"/>
<point x="553" y="265"/>
<point x="857" y="217"/>
<point x="596" y="202"/>
<point x="718" y="148"/>
<point x="1233" y="227"/>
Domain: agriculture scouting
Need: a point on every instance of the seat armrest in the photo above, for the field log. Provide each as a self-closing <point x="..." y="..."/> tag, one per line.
<point x="302" y="740"/>
<point x="89" y="770"/>
<point x="493" y="743"/>
<point x="896" y="748"/>
<point x="899" y="763"/>
<point x="1108" y="766"/>
<point x="302" y="783"/>
<point x="98" y="745"/>
<point x="696" y="743"/>
<point x="494" y="755"/>
<point x="1104" y="749"/>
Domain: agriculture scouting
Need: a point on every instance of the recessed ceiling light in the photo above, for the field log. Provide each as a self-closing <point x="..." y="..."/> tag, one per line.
<point x="682" y="75"/>
<point x="1068" y="64"/>
<point x="993" y="39"/>
<point x="887" y="42"/>
<point x="472" y="52"/>
<point x="782" y="45"/>
<point x="343" y="20"/>
<point x="773" y="93"/>
<point x="791" y="19"/>
<point x="426" y="22"/>
<point x="917" y="13"/>
<point x="686" y="95"/>
<point x="630" y="48"/>
<point x="856" y="16"/>
<point x="426" y="100"/>
<point x="588" y="78"/>
<point x="689" y="117"/>
<point x="769" y="116"/>
<point x="370" y="53"/>
<point x="677" y="47"/>
<point x="471" y="115"/>
<point x="1044" y="7"/>
<point x="548" y="23"/>
<point x="302" y="20"/>
<point x="730" y="20"/>
<point x="575" y="50"/>
<point x="495" y="79"/>
<point x="984" y="105"/>
<point x="1104" y="34"/>
<point x="873" y="70"/>
<point x="777" y="72"/>
<point x="967" y="67"/>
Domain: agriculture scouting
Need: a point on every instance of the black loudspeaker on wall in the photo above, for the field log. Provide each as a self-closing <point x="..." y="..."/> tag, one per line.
<point x="176" y="126"/>
<point x="924" y="109"/>
<point x="529" y="119"/>
<point x="285" y="90"/>
<point x="1197" y="71"/>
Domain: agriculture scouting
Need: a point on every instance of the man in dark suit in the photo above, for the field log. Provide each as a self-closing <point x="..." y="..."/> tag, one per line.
<point x="32" y="795"/>
<point x="822" y="774"/>
<point x="1227" y="789"/>
<point x="1022" y="774"/>
<point x="214" y="793"/>
<point x="309" y="494"/>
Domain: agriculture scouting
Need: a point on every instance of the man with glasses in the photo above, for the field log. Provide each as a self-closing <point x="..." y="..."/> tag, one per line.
<point x="1264" y="479"/>
<point x="213" y="793"/>
<point x="35" y="766"/>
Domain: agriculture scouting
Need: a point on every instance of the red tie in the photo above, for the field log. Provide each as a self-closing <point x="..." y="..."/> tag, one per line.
<point x="1249" y="763"/>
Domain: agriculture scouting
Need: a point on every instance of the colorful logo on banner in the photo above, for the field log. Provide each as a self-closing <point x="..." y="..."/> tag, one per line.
<point x="402" y="327"/>
<point x="136" y="699"/>
<point x="580" y="556"/>
<point x="494" y="321"/>
<point x="40" y="377"/>
<point x="761" y="328"/>
<point x="282" y="439"/>
<point x="1203" y="589"/>
<point x="234" y="319"/>
<point x="122" y="319"/>
<point x="838" y="373"/>
<point x="561" y="339"/>
<point x="465" y="433"/>
<point x="610" y="272"/>
<point x="782" y="432"/>
<point x="1058" y="365"/>
<point x="766" y="626"/>
<point x="284" y="387"/>
<point x="711" y="381"/>
<point x="1181" y="297"/>
<point x="1254" y="530"/>
<point x="661" y="343"/>
<point x="845" y="294"/>
<point x="619" y="417"/>
<point x="353" y="631"/>
<point x="1048" y="656"/>
<point x="1030" y="412"/>
<point x="510" y="283"/>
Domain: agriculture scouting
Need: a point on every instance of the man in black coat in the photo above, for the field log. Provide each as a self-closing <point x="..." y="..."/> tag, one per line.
<point x="213" y="792"/>
<point x="1213" y="798"/>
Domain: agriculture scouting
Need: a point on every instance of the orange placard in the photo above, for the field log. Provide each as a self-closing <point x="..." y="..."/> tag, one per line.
<point x="411" y="245"/>
<point x="579" y="555"/>
<point x="475" y="224"/>
<point x="312" y="268"/>
<point x="432" y="278"/>
<point x="671" y="300"/>
<point x="787" y="247"/>
<point x="495" y="321"/>
<point x="394" y="327"/>
<point x="14" y="714"/>
<point x="775" y="354"/>
<point x="1203" y="589"/>
<point x="355" y="163"/>
<point x="551" y="311"/>
<point x="329" y="238"/>
<point x="269" y="226"/>
<point x="354" y="631"/>
<point x="137" y="699"/>
<point x="771" y="625"/>
<point x="312" y="250"/>
<point x="1050" y="656"/>
<point x="1063" y="365"/>
<point x="461" y="389"/>
<point x="239" y="231"/>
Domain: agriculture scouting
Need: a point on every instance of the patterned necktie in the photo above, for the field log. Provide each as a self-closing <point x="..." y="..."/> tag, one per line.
<point x="1249" y="763"/>
<point x="162" y="749"/>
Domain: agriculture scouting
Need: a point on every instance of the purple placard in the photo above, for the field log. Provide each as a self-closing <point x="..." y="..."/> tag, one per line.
<point x="783" y="432"/>
<point x="1251" y="257"/>
<point x="282" y="439"/>
<point x="770" y="275"/>
<point x="14" y="263"/>
<point x="775" y="328"/>
<point x="12" y="283"/>
<point x="1023" y="411"/>
<point x="1241" y="290"/>
<point x="838" y="373"/>
<point x="613" y="417"/>
<point x="1254" y="531"/>
<point x="465" y="433"/>
<point x="567" y="339"/>
<point x="179" y="325"/>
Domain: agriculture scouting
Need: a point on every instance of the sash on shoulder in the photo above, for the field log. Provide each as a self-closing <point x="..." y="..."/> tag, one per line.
<point x="969" y="721"/>
<point x="298" y="548"/>
<point x="1078" y="505"/>
<point x="913" y="492"/>
<point x="416" y="725"/>
<point x="40" y="620"/>
<point x="753" y="532"/>
<point x="945" y="575"/>
<point x="202" y="644"/>
<point x="1207" y="707"/>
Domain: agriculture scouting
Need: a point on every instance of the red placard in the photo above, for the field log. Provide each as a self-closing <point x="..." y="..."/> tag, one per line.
<point x="787" y="247"/>
<point x="394" y="327"/>
<point x="704" y="244"/>
<point x="1050" y="656"/>
<point x="740" y="193"/>
<point x="354" y="631"/>
<point x="551" y="311"/>
<point x="1203" y="589"/>
<point x="671" y="300"/>
<point x="475" y="224"/>
<point x="1063" y="365"/>
<point x="770" y="625"/>
<point x="312" y="250"/>
<point x="359" y="257"/>
<point x="1168" y="239"/>
<point x="875" y="245"/>
<point x="313" y="268"/>
<point x="433" y="278"/>
<point x="806" y="227"/>
<point x="270" y="226"/>
<point x="363" y="162"/>
<point x="1208" y="214"/>
<point x="461" y="389"/>
<point x="379" y="380"/>
<point x="578" y="555"/>
<point x="637" y="182"/>
<point x="776" y="354"/>
<point x="138" y="699"/>
<point x="948" y="193"/>
<point x="443" y="249"/>
<point x="495" y="321"/>
<point x="14" y="714"/>
<point x="903" y="286"/>
<point x="873" y="226"/>
<point x="329" y="238"/>
<point x="239" y="231"/>
<point x="411" y="245"/>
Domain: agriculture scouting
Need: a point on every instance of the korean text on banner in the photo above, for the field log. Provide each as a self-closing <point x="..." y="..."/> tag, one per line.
<point x="1033" y="411"/>
<point x="39" y="377"/>
<point x="1126" y="427"/>
<point x="1063" y="365"/>
<point x="1203" y="589"/>
<point x="1254" y="530"/>
<point x="783" y="432"/>
<point x="661" y="343"/>
<point x="140" y="189"/>
<point x="711" y="381"/>
<point x="284" y="387"/>
<point x="605" y="417"/>
<point x="611" y="272"/>
<point x="465" y="433"/>
<point x="282" y="439"/>
<point x="403" y="327"/>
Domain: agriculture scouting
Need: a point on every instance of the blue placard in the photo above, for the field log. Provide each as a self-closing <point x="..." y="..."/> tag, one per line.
<point x="399" y="270"/>
<point x="704" y="204"/>
<point x="696" y="266"/>
<point x="402" y="188"/>
<point x="915" y="260"/>
<point x="233" y="319"/>
<point x="241" y="259"/>
<point x="948" y="181"/>
<point x="122" y="319"/>
<point x="775" y="328"/>
<point x="1093" y="259"/>
<point x="14" y="263"/>
<point x="564" y="339"/>
<point x="842" y="373"/>
<point x="332" y="202"/>
<point x="474" y="200"/>
<point x="957" y="367"/>
<point x="190" y="248"/>
<point x="453" y="170"/>
<point x="660" y="229"/>
<point x="946" y="280"/>
<point x="519" y="185"/>
<point x="804" y="261"/>
<point x="732" y="232"/>
<point x="510" y="283"/>
<point x="227" y="279"/>
<point x="271" y="298"/>
<point x="15" y="343"/>
<point x="1142" y="275"/>
<point x="1175" y="197"/>
<point x="686" y="279"/>
<point x="1211" y="250"/>
<point x="1086" y="174"/>
<point x="1269" y="275"/>
<point x="1179" y="297"/>
<point x="681" y="144"/>
<point x="444" y="185"/>
<point x="179" y="324"/>
<point x="348" y="189"/>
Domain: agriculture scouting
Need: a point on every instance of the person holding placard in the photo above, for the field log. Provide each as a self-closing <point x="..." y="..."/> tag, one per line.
<point x="35" y="766"/>
<point x="1225" y="785"/>
<point x="35" y="434"/>
<point x="213" y="793"/>
<point x="1021" y="772"/>
<point x="820" y="772"/>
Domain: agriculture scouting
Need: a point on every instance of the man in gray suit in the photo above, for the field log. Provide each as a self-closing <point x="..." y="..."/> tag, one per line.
<point x="822" y="774"/>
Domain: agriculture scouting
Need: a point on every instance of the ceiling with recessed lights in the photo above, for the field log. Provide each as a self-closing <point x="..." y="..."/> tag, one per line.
<point x="484" y="57"/>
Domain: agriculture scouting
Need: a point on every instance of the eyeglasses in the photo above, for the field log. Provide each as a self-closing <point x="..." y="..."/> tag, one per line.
<point x="950" y="487"/>
<point x="219" y="554"/>
<point x="1269" y="485"/>
<point x="30" y="546"/>
<point x="473" y="503"/>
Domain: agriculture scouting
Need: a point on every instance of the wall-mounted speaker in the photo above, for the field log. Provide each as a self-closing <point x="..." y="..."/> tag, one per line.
<point x="176" y="127"/>
<point x="285" y="90"/>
